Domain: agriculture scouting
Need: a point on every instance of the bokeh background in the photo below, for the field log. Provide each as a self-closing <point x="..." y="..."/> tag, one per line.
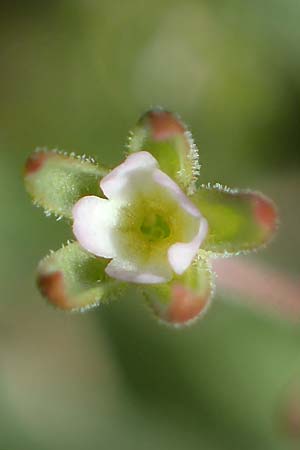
<point x="76" y="75"/>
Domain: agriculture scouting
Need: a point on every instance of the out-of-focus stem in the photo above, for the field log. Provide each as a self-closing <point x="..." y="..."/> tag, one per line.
<point x="260" y="285"/>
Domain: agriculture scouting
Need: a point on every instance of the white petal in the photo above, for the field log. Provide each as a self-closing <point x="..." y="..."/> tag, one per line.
<point x="181" y="255"/>
<point x="147" y="274"/>
<point x="94" y="222"/>
<point x="114" y="183"/>
<point x="167" y="182"/>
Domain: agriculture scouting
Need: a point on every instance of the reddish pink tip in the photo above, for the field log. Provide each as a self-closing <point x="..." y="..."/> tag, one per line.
<point x="265" y="212"/>
<point x="52" y="286"/>
<point x="164" y="125"/>
<point x="35" y="162"/>
<point x="185" y="305"/>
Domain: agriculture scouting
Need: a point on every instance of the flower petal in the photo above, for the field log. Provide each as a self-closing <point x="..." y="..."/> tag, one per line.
<point x="150" y="273"/>
<point x="94" y="222"/>
<point x="164" y="180"/>
<point x="114" y="183"/>
<point x="181" y="255"/>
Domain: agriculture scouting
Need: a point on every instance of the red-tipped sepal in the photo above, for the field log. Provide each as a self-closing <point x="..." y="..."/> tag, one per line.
<point x="164" y="135"/>
<point x="56" y="181"/>
<point x="239" y="221"/>
<point x="72" y="279"/>
<point x="185" y="298"/>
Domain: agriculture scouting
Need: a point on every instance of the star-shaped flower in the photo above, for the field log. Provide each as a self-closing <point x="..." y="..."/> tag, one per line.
<point x="147" y="226"/>
<point x="147" y="222"/>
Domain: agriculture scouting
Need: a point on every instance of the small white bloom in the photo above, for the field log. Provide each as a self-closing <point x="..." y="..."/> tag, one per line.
<point x="147" y="225"/>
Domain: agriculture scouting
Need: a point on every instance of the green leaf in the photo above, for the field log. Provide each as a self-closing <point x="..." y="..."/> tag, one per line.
<point x="72" y="279"/>
<point x="56" y="181"/>
<point x="238" y="220"/>
<point x="185" y="298"/>
<point x="162" y="134"/>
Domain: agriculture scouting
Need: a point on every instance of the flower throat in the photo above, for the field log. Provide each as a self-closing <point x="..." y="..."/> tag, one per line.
<point x="155" y="228"/>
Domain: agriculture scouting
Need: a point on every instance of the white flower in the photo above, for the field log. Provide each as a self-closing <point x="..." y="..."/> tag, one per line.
<point x="147" y="225"/>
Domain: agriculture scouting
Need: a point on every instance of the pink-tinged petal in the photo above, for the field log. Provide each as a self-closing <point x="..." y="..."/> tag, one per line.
<point x="114" y="183"/>
<point x="138" y="273"/>
<point x="94" y="221"/>
<point x="181" y="254"/>
<point x="165" y="181"/>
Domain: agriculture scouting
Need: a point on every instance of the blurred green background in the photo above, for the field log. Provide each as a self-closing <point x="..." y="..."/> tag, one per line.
<point x="76" y="75"/>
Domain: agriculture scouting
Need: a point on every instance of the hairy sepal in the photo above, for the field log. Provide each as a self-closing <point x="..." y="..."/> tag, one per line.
<point x="238" y="220"/>
<point x="74" y="280"/>
<point x="56" y="180"/>
<point x="185" y="298"/>
<point x="163" y="134"/>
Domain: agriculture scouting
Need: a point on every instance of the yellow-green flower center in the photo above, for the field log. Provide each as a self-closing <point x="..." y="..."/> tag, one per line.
<point x="154" y="227"/>
<point x="150" y="224"/>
